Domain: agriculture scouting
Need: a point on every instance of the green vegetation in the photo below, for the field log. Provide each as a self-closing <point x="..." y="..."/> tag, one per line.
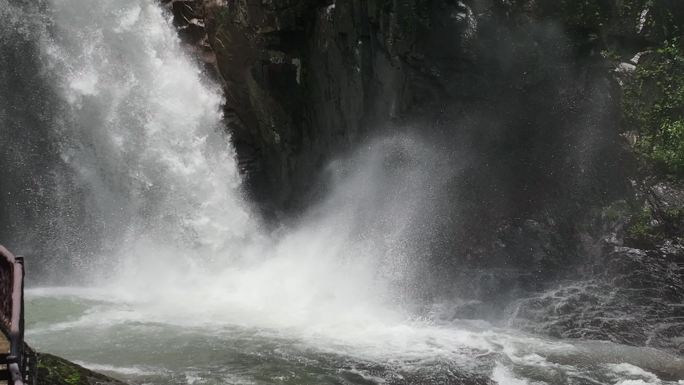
<point x="58" y="370"/>
<point x="654" y="107"/>
<point x="647" y="228"/>
<point x="616" y="211"/>
<point x="53" y="370"/>
<point x="640" y="230"/>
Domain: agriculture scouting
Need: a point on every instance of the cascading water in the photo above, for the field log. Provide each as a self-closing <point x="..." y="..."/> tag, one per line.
<point x="142" y="132"/>
<point x="183" y="285"/>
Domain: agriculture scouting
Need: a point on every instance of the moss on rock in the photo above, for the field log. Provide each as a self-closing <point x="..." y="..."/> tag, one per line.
<point x="642" y="231"/>
<point x="53" y="370"/>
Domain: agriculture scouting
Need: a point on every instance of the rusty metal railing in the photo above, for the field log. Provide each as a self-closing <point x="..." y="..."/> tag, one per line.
<point x="19" y="358"/>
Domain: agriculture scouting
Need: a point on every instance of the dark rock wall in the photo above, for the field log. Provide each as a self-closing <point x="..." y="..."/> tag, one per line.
<point x="305" y="80"/>
<point x="523" y="93"/>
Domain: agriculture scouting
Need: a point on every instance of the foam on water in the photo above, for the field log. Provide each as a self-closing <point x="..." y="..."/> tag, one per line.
<point x="128" y="371"/>
<point x="503" y="376"/>
<point x="407" y="348"/>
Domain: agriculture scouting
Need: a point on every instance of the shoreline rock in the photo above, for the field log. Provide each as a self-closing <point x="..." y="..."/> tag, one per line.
<point x="53" y="370"/>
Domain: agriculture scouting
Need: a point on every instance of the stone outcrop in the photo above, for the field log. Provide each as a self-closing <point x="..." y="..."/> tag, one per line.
<point x="305" y="80"/>
<point x="53" y="370"/>
<point x="189" y="21"/>
<point x="635" y="286"/>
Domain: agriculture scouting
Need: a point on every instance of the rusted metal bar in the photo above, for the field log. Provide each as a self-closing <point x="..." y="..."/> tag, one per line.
<point x="12" y="314"/>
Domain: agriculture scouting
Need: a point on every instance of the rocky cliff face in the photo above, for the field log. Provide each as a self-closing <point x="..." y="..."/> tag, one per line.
<point x="304" y="80"/>
<point x="530" y="101"/>
<point x="565" y="110"/>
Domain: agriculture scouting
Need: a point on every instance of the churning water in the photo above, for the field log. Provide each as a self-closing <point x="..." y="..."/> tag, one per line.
<point x="179" y="282"/>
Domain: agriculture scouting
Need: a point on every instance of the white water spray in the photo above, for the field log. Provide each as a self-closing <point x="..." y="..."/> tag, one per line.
<point x="143" y="132"/>
<point x="144" y="135"/>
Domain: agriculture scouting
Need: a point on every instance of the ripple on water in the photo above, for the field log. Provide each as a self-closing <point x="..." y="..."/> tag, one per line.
<point x="467" y="353"/>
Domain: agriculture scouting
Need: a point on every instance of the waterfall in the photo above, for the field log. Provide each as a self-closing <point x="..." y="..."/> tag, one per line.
<point x="162" y="218"/>
<point x="137" y="131"/>
<point x="142" y="131"/>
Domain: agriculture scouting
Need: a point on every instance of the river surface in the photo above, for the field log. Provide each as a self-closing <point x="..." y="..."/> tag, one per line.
<point x="126" y="341"/>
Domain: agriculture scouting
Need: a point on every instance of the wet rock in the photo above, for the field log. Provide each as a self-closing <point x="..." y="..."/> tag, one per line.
<point x="188" y="18"/>
<point x="53" y="370"/>
<point x="634" y="298"/>
<point x="306" y="80"/>
<point x="659" y="221"/>
<point x="633" y="284"/>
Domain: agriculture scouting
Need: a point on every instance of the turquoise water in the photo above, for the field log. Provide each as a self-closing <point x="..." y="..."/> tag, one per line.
<point x="116" y="339"/>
